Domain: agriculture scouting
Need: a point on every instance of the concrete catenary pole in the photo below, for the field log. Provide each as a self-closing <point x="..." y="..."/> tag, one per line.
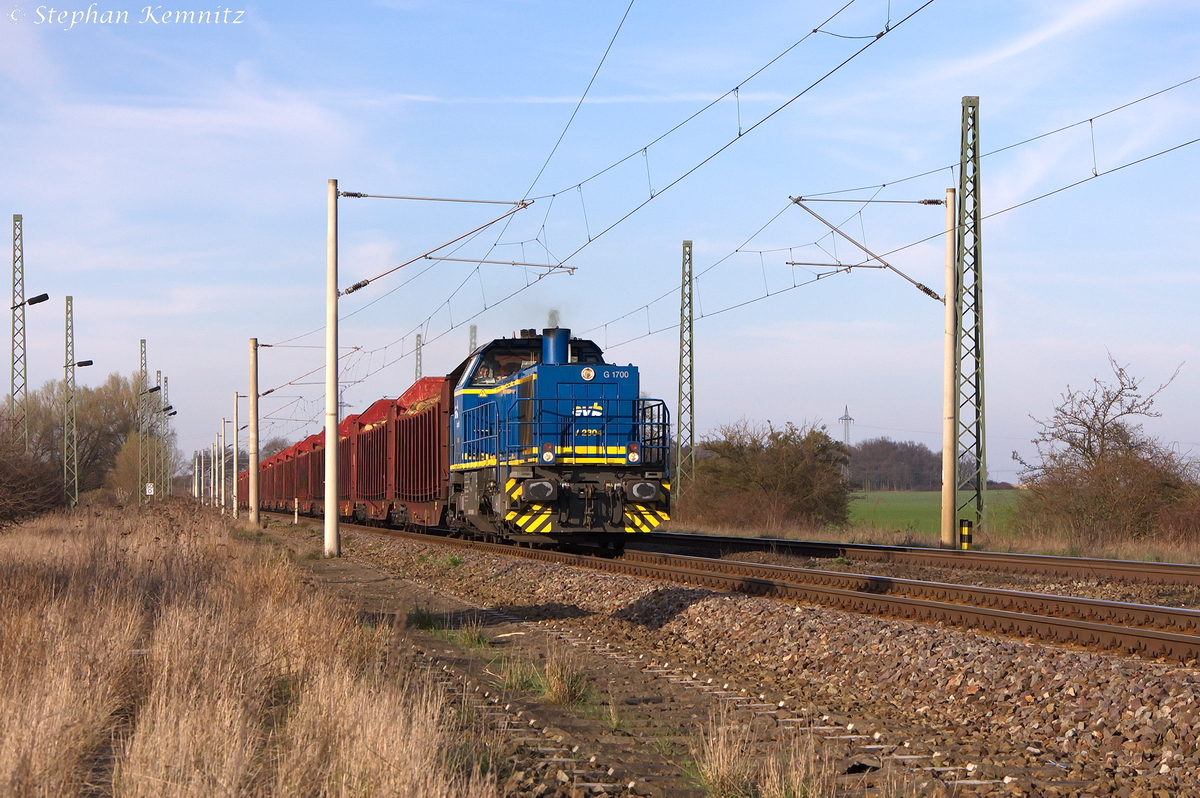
<point x="221" y="467"/>
<point x="195" y="477"/>
<point x="252" y="437"/>
<point x="236" y="431"/>
<point x="212" y="473"/>
<point x="333" y="542"/>
<point x="950" y="382"/>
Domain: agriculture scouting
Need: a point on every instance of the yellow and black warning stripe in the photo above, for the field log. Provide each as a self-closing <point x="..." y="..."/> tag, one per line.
<point x="534" y="519"/>
<point x="639" y="518"/>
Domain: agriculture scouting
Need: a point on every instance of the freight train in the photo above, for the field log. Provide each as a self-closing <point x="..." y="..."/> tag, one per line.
<point x="533" y="439"/>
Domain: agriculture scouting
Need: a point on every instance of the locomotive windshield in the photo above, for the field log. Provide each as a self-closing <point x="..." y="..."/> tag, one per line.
<point x="498" y="365"/>
<point x="505" y="357"/>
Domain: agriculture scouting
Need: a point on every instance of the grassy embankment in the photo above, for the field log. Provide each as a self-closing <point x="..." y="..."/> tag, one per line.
<point x="912" y="518"/>
<point x="154" y="653"/>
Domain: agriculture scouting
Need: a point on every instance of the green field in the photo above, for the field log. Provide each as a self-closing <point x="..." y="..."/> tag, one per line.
<point x="918" y="510"/>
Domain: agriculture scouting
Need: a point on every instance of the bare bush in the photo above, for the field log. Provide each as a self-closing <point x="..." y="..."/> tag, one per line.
<point x="1099" y="476"/>
<point x="768" y="477"/>
<point x="29" y="484"/>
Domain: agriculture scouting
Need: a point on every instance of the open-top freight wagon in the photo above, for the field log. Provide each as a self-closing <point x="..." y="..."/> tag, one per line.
<point x="532" y="438"/>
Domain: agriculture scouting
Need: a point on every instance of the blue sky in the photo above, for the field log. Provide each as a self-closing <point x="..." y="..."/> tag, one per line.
<point x="172" y="178"/>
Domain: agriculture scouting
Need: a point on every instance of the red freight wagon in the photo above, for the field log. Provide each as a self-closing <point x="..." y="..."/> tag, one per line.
<point x="393" y="462"/>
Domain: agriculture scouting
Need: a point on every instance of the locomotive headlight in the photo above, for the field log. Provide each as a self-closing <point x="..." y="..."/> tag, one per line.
<point x="547" y="452"/>
<point x="539" y="490"/>
<point x="633" y="453"/>
<point x="641" y="490"/>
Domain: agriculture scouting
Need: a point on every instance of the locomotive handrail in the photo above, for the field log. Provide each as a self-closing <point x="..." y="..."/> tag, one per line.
<point x="579" y="430"/>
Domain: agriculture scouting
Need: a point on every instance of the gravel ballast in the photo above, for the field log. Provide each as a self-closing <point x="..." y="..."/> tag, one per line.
<point x="1125" y="723"/>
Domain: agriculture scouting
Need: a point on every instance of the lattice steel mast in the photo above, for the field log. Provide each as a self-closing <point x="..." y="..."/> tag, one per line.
<point x="418" y="357"/>
<point x="16" y="394"/>
<point x="971" y="487"/>
<point x="164" y="452"/>
<point x="685" y="426"/>
<point x="144" y="447"/>
<point x="70" y="427"/>
<point x="156" y="406"/>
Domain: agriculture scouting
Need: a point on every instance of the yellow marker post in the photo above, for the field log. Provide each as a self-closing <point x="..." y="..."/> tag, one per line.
<point x="964" y="533"/>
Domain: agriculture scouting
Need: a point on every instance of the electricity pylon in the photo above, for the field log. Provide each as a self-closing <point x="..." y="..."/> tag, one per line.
<point x="685" y="426"/>
<point x="846" y="422"/>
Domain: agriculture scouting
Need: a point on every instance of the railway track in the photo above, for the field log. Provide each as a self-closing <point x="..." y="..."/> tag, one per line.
<point x="1079" y="567"/>
<point x="1146" y="630"/>
<point x="998" y="732"/>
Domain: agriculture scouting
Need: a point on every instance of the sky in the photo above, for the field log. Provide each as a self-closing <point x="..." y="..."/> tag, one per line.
<point x="172" y="178"/>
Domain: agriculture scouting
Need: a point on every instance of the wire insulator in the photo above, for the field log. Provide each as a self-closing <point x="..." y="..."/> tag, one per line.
<point x="929" y="291"/>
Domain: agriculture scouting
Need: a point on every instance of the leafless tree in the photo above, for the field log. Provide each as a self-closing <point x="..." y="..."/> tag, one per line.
<point x="1098" y="473"/>
<point x="29" y="484"/>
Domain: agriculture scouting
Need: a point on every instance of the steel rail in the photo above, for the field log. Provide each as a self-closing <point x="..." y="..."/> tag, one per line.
<point x="1125" y="570"/>
<point x="1174" y="619"/>
<point x="738" y="577"/>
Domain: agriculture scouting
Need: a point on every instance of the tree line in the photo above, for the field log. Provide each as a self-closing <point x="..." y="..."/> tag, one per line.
<point x="31" y="479"/>
<point x="1097" y="475"/>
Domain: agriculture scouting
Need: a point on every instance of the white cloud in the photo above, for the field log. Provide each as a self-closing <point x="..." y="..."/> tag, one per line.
<point x="1074" y="19"/>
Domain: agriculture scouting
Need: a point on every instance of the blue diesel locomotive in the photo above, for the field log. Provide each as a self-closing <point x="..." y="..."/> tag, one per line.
<point x="531" y="439"/>
<point x="547" y="440"/>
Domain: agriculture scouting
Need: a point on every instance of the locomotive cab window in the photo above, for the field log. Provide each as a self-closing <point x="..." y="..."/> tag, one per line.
<point x="585" y="352"/>
<point x="498" y="365"/>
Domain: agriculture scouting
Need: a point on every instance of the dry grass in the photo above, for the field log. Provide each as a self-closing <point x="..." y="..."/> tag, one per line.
<point x="1168" y="546"/>
<point x="564" y="681"/>
<point x="559" y="678"/>
<point x="849" y="534"/>
<point x="153" y="654"/>
<point x="727" y="766"/>
<point x="1072" y="542"/>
